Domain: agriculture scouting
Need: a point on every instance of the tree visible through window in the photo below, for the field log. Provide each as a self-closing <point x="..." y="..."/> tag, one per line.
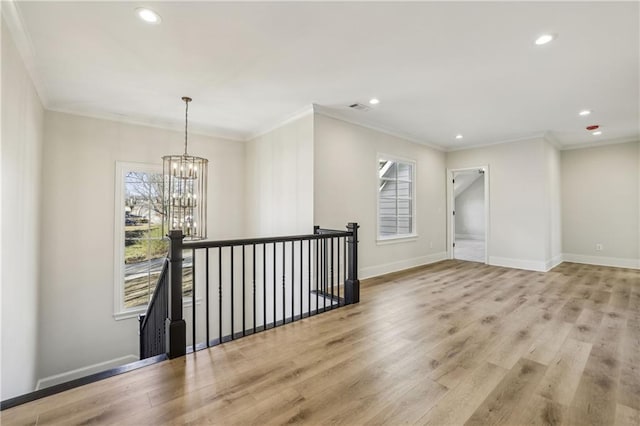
<point x="395" y="198"/>
<point x="145" y="246"/>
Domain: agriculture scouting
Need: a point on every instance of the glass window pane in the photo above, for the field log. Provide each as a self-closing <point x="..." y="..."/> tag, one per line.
<point x="405" y="225"/>
<point x="404" y="189"/>
<point x="187" y="273"/>
<point x="145" y="246"/>
<point x="387" y="169"/>
<point x="395" y="197"/>
<point x="388" y="207"/>
<point x="405" y="171"/>
<point x="404" y="208"/>
<point x="136" y="284"/>
<point x="388" y="225"/>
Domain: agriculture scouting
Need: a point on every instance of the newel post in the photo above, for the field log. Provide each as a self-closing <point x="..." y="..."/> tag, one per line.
<point x="175" y="326"/>
<point x="352" y="285"/>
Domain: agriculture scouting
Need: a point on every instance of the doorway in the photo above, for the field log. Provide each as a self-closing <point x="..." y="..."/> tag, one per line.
<point x="468" y="189"/>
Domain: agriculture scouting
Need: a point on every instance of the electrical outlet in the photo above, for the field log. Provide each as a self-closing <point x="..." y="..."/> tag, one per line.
<point x="599" y="247"/>
<point x="430" y="244"/>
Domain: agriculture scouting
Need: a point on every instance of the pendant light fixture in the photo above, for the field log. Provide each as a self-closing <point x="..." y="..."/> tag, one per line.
<point x="185" y="190"/>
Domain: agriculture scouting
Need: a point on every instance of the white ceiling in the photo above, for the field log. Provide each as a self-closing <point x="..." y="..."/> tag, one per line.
<point x="438" y="68"/>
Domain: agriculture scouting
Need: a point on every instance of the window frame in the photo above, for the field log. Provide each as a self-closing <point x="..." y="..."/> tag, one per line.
<point x="120" y="312"/>
<point x="385" y="239"/>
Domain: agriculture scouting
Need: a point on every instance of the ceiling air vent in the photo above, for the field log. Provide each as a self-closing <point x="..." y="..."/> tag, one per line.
<point x="359" y="107"/>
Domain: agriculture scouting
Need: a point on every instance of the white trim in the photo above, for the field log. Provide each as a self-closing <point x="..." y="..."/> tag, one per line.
<point x="553" y="262"/>
<point x="56" y="379"/>
<point x="395" y="239"/>
<point x="600" y="143"/>
<point x="374" y="271"/>
<point x="334" y="113"/>
<point x="119" y="311"/>
<point x="286" y="120"/>
<point x="529" y="265"/>
<point x="451" y="204"/>
<point x="549" y="137"/>
<point x="534" y="136"/>
<point x="414" y="222"/>
<point x="155" y="123"/>
<point x="616" y="262"/>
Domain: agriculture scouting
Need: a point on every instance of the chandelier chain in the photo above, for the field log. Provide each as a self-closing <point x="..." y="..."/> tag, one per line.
<point x="186" y="122"/>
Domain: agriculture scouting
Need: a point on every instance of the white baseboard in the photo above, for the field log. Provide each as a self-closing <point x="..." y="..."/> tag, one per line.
<point x="84" y="371"/>
<point x="602" y="261"/>
<point x="553" y="262"/>
<point x="529" y="265"/>
<point x="474" y="237"/>
<point x="374" y="271"/>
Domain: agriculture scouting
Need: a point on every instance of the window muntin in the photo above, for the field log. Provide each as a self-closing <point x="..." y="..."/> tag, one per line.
<point x="396" y="201"/>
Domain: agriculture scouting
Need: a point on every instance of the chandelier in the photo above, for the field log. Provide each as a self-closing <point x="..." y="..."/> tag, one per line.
<point x="185" y="191"/>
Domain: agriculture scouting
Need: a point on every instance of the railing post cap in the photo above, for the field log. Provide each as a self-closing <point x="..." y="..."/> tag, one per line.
<point x="175" y="233"/>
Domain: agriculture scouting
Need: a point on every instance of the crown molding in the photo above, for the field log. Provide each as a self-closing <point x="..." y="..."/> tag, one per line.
<point x="615" y="141"/>
<point x="549" y="137"/>
<point x="308" y="109"/>
<point x="535" y="136"/>
<point x="333" y="113"/>
<point x="15" y="23"/>
<point x="156" y="124"/>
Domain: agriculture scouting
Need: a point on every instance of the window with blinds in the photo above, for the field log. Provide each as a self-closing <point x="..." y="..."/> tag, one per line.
<point x="396" y="208"/>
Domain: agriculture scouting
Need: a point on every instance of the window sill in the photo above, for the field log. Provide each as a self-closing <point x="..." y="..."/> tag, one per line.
<point x="396" y="239"/>
<point x="135" y="312"/>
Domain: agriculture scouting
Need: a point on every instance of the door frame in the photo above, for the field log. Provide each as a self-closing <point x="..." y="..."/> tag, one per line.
<point x="451" y="205"/>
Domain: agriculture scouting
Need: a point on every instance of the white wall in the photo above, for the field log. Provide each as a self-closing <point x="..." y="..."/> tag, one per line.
<point x="518" y="200"/>
<point x="21" y="151"/>
<point x="76" y="326"/>
<point x="470" y="223"/>
<point x="279" y="185"/>
<point x="346" y="185"/>
<point x="601" y="204"/>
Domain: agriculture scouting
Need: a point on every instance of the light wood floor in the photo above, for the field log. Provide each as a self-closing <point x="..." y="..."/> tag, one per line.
<point x="452" y="343"/>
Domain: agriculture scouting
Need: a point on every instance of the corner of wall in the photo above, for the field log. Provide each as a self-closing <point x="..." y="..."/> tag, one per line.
<point x="22" y="144"/>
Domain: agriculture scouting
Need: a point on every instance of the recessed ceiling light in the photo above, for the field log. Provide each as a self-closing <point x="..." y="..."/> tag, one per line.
<point x="374" y="101"/>
<point x="597" y="133"/>
<point x="544" y="39"/>
<point x="148" y="15"/>
<point x="584" y="112"/>
<point x="458" y="136"/>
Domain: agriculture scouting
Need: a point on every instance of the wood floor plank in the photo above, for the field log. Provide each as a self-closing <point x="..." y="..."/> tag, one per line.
<point x="629" y="387"/>
<point x="465" y="397"/>
<point x="545" y="347"/>
<point x="626" y="416"/>
<point x="512" y="393"/>
<point x="595" y="398"/>
<point x="417" y="349"/>
<point x="538" y="411"/>
<point x="561" y="380"/>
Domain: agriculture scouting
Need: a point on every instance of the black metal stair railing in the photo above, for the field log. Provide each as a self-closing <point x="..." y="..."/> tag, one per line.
<point x="152" y="323"/>
<point x="248" y="286"/>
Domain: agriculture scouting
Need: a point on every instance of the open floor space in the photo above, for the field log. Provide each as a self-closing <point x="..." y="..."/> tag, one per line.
<point x="450" y="343"/>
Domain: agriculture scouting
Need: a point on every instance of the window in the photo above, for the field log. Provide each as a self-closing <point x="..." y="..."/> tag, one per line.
<point x="396" y="206"/>
<point x="140" y="244"/>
